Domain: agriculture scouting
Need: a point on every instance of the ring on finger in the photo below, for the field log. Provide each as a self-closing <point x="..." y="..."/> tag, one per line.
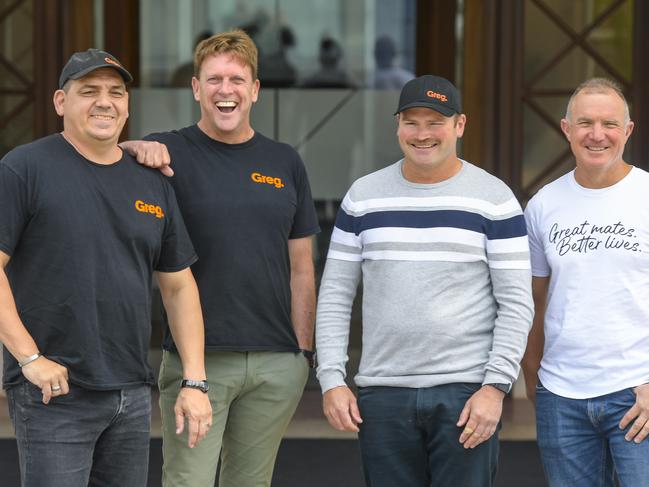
<point x="469" y="431"/>
<point x="56" y="388"/>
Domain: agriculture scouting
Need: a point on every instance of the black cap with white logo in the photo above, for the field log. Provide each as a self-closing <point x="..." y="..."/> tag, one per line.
<point x="82" y="63"/>
<point x="432" y="92"/>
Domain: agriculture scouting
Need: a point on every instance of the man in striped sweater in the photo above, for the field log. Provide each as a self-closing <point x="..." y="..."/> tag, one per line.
<point x="441" y="249"/>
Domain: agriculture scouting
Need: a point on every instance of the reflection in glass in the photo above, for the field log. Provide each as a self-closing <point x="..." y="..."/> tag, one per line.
<point x="331" y="73"/>
<point x="182" y="75"/>
<point x="389" y="75"/>
<point x="290" y="36"/>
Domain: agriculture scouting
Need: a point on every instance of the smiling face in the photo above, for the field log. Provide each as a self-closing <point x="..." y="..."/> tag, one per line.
<point x="94" y="108"/>
<point x="428" y="140"/>
<point x="597" y="129"/>
<point x="226" y="91"/>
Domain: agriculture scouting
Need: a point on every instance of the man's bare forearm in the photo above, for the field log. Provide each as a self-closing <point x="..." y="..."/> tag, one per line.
<point x="536" y="340"/>
<point x="303" y="309"/>
<point x="13" y="333"/>
<point x="302" y="291"/>
<point x="181" y="300"/>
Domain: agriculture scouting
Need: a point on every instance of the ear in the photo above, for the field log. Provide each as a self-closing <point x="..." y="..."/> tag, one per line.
<point x="629" y="128"/>
<point x="196" y="88"/>
<point x="59" y="102"/>
<point x="255" y="90"/>
<point x="565" y="128"/>
<point x="460" y="123"/>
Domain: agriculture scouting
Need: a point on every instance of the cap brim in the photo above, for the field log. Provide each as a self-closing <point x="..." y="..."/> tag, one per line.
<point x="123" y="73"/>
<point x="444" y="110"/>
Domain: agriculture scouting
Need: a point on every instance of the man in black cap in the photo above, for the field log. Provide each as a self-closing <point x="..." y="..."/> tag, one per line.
<point x="441" y="248"/>
<point x="82" y="229"/>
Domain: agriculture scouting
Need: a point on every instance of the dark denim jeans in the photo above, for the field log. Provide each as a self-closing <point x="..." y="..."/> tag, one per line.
<point x="581" y="444"/>
<point x="96" y="438"/>
<point x="408" y="438"/>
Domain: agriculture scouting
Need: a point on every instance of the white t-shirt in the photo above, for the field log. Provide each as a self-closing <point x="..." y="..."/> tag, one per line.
<point x="594" y="245"/>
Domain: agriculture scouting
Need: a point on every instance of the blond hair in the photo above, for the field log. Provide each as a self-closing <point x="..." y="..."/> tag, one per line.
<point x="235" y="42"/>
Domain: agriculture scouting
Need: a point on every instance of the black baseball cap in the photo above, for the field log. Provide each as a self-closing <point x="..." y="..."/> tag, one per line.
<point x="432" y="92"/>
<point x="83" y="62"/>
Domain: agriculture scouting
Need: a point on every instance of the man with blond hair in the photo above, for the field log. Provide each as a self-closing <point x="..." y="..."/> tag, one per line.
<point x="83" y="227"/>
<point x="589" y="242"/>
<point x="248" y="208"/>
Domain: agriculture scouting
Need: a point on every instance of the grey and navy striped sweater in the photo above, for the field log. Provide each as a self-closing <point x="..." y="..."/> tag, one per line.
<point x="446" y="282"/>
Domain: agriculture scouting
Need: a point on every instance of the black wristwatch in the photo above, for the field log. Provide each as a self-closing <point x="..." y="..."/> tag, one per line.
<point x="309" y="355"/>
<point x="501" y="387"/>
<point x="201" y="385"/>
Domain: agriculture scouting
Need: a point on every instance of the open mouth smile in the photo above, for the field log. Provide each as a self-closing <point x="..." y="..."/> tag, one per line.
<point x="226" y="106"/>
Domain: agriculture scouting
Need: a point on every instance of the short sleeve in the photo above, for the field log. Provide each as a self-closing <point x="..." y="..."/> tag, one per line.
<point x="177" y="251"/>
<point x="14" y="207"/>
<point x="305" y="221"/>
<point x="540" y="266"/>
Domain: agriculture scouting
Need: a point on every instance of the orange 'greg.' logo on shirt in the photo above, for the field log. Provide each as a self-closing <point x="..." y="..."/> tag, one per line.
<point x="439" y="96"/>
<point x="143" y="207"/>
<point x="260" y="178"/>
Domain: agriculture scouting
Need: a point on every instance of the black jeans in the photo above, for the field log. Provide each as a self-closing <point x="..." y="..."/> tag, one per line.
<point x="95" y="438"/>
<point x="409" y="438"/>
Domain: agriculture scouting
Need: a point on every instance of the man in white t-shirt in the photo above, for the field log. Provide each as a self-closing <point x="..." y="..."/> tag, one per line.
<point x="589" y="242"/>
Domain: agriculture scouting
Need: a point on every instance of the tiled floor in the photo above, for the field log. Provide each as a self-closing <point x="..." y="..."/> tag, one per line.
<point x="309" y="422"/>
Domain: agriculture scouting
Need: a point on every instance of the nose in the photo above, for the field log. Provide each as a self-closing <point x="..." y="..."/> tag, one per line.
<point x="423" y="133"/>
<point x="103" y="99"/>
<point x="225" y="86"/>
<point x="597" y="131"/>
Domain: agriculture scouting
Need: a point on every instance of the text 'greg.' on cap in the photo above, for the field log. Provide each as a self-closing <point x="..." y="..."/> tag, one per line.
<point x="432" y="92"/>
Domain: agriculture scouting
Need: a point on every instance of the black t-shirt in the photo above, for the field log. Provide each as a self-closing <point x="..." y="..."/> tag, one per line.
<point x="241" y="203"/>
<point x="84" y="239"/>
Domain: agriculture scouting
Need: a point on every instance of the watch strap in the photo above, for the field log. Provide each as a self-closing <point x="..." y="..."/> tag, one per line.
<point x="501" y="387"/>
<point x="201" y="385"/>
<point x="309" y="355"/>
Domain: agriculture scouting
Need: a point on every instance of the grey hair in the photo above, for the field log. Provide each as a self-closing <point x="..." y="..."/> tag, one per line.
<point x="598" y="85"/>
